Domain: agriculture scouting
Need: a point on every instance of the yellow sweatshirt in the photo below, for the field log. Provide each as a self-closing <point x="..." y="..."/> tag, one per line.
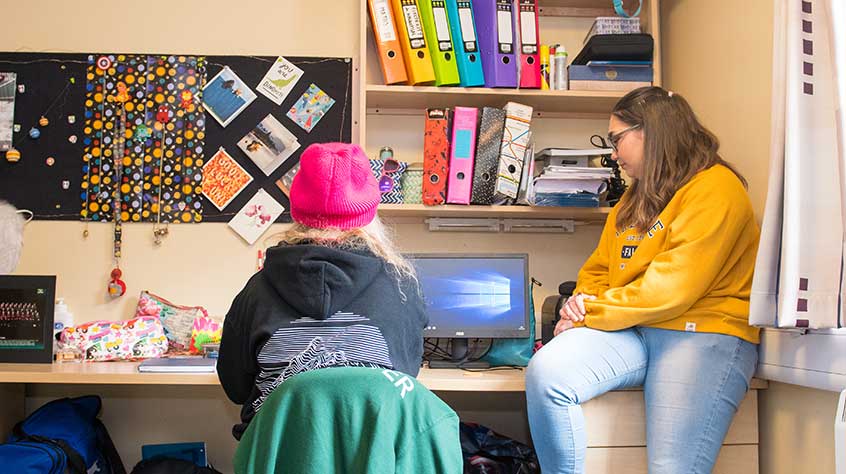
<point x="692" y="271"/>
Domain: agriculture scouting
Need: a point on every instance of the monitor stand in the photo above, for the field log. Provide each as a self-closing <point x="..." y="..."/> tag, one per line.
<point x="458" y="352"/>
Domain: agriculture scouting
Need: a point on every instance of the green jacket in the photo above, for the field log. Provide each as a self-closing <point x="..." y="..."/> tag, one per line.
<point x="351" y="420"/>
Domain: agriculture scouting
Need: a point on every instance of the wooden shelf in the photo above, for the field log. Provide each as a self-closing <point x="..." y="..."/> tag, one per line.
<point x="590" y="214"/>
<point x="387" y="99"/>
<point x="126" y="373"/>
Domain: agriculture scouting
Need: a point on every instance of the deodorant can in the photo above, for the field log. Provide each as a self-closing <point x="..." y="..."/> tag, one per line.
<point x="544" y="66"/>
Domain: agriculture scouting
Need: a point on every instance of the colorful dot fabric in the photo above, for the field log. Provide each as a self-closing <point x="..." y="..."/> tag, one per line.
<point x="155" y="102"/>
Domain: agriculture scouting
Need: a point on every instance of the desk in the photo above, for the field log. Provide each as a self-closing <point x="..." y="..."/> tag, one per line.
<point x="143" y="408"/>
<point x="14" y="377"/>
<point x="126" y="373"/>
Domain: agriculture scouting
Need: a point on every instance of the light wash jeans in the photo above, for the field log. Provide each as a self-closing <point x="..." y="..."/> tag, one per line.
<point x="692" y="386"/>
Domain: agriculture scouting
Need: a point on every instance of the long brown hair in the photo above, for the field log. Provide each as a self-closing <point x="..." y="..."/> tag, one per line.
<point x="675" y="148"/>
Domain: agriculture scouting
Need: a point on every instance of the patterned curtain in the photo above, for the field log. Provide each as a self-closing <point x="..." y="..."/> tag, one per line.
<point x="799" y="272"/>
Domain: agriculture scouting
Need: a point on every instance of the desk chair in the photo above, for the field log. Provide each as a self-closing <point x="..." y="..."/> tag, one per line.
<point x="351" y="420"/>
<point x="550" y="308"/>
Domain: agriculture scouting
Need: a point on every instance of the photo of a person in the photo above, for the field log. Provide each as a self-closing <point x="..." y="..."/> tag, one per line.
<point x="269" y="144"/>
<point x="225" y="96"/>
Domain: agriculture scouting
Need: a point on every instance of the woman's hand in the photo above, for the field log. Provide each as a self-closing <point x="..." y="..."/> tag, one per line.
<point x="574" y="309"/>
<point x="562" y="325"/>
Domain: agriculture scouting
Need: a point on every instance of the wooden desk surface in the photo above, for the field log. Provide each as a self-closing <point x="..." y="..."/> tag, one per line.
<point x="126" y="373"/>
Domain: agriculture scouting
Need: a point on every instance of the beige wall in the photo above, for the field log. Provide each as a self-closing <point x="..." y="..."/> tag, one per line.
<point x="208" y="264"/>
<point x="247" y="27"/>
<point x="200" y="264"/>
<point x="719" y="55"/>
<point x="716" y="53"/>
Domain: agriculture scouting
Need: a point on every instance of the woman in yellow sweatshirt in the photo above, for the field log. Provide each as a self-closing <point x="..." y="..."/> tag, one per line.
<point x="662" y="302"/>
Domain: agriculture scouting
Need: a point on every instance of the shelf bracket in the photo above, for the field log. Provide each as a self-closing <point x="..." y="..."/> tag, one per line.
<point x="565" y="226"/>
<point x="453" y="224"/>
<point x="447" y="224"/>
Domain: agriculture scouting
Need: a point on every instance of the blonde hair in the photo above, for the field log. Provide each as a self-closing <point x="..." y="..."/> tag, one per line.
<point x="676" y="146"/>
<point x="374" y="237"/>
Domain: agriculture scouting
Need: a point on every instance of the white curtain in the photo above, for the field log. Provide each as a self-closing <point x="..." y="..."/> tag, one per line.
<point x="799" y="275"/>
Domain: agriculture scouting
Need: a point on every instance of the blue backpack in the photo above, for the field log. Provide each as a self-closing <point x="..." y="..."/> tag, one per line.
<point x="62" y="436"/>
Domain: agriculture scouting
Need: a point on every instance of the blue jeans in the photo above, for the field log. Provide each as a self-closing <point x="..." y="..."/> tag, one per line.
<point x="692" y="386"/>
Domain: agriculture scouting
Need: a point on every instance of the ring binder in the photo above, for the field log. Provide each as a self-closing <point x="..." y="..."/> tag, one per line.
<point x="436" y="25"/>
<point x="387" y="42"/>
<point x="467" y="55"/>
<point x="418" y="63"/>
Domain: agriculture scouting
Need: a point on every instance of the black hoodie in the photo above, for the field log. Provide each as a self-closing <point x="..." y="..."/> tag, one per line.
<point x="313" y="307"/>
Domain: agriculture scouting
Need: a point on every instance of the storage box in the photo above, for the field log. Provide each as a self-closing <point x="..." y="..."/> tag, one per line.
<point x="412" y="184"/>
<point x="611" y="73"/>
<point x="568" y="156"/>
<point x="613" y="25"/>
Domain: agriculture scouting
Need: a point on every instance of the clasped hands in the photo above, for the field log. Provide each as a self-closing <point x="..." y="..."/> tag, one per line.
<point x="572" y="312"/>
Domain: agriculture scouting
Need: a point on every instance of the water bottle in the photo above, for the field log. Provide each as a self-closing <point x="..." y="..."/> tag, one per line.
<point x="62" y="318"/>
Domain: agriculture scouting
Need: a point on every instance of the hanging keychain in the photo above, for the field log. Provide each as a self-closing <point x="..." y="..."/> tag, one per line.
<point x="103" y="64"/>
<point x="162" y="117"/>
<point x="116" y="286"/>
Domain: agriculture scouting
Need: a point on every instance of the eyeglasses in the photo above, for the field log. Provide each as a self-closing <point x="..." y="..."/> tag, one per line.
<point x="615" y="137"/>
<point x="389" y="165"/>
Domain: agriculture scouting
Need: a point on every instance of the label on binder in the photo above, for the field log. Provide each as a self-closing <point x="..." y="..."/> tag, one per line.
<point x="468" y="32"/>
<point x="413" y="24"/>
<point x="528" y="33"/>
<point x="463" y="143"/>
<point x="384" y="21"/>
<point x="505" y="35"/>
<point x="441" y="25"/>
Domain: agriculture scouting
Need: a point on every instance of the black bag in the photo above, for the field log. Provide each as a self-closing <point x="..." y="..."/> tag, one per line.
<point x="488" y="452"/>
<point x="165" y="465"/>
<point x="631" y="47"/>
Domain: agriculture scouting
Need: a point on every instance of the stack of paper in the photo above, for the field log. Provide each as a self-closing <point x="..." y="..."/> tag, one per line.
<point x="569" y="186"/>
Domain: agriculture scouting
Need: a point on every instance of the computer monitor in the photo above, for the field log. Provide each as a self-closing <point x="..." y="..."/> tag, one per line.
<point x="474" y="296"/>
<point x="26" y="318"/>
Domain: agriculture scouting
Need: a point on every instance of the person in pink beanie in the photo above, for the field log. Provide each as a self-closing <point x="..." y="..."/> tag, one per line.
<point x="334" y="188"/>
<point x="335" y="291"/>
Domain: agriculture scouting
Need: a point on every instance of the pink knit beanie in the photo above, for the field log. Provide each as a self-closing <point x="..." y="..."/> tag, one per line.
<point x="334" y="187"/>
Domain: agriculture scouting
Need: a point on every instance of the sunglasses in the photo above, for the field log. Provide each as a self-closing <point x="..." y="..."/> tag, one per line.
<point x="389" y="165"/>
<point x="615" y="137"/>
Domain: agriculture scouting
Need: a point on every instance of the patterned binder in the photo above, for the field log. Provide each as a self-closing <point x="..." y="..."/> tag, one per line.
<point x="487" y="155"/>
<point x="435" y="157"/>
